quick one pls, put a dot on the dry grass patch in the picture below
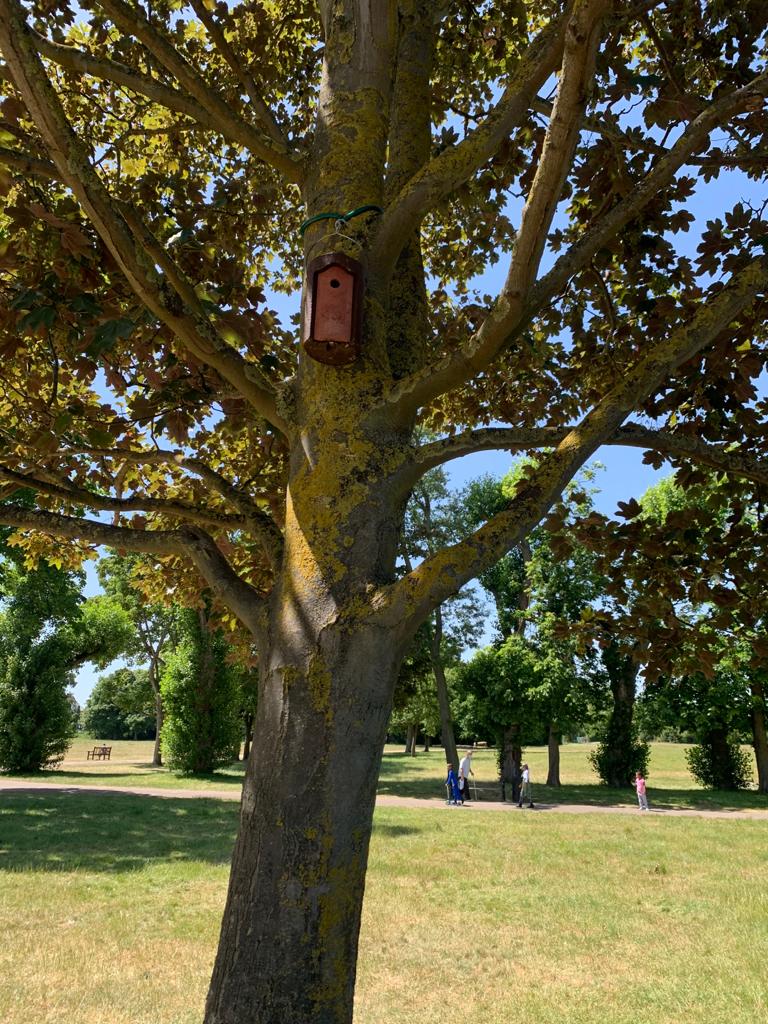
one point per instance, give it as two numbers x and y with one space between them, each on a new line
110 909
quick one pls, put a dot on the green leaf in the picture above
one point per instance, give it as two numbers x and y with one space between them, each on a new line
43 316
107 334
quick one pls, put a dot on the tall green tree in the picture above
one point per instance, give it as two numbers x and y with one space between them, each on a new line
200 694
47 632
540 589
145 375
434 518
153 626
121 706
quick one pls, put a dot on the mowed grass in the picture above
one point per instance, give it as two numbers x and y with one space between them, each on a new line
110 907
130 764
670 784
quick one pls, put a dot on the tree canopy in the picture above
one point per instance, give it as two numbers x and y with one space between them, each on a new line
169 168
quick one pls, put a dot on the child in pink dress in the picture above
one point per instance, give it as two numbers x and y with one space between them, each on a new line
642 797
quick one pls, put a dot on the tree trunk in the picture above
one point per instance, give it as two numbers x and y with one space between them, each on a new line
157 757
427 743
410 740
510 760
298 870
619 741
248 734
553 750
446 725
759 734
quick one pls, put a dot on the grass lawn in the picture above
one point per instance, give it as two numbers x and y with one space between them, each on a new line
670 785
110 906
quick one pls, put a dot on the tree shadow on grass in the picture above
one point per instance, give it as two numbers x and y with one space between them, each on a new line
61 776
382 828
114 832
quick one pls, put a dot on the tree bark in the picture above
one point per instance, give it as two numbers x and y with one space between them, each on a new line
553 751
427 743
759 734
410 740
248 735
157 757
620 737
510 761
298 870
446 725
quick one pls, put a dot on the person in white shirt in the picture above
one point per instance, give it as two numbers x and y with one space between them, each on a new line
525 789
465 770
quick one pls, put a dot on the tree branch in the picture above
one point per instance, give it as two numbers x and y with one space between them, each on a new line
511 313
28 165
406 602
631 435
85 63
458 163
192 326
134 22
70 493
244 76
190 542
255 519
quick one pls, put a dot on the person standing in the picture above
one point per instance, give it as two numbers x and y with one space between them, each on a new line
525 788
465 770
642 795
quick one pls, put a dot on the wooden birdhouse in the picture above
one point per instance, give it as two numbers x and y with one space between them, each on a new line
333 312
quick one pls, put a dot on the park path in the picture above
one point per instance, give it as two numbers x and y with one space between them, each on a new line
21 786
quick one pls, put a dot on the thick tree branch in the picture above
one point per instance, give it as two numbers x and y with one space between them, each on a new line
577 73
190 542
28 165
406 602
191 326
134 22
74 495
513 312
256 521
458 163
260 108
632 435
84 63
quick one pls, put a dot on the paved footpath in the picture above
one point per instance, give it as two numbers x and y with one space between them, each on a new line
20 786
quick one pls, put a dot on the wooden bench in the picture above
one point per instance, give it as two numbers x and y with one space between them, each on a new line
99 754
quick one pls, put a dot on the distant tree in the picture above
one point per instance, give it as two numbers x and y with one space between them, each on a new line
247 686
153 625
435 517
540 588
199 691
47 631
684 574
121 706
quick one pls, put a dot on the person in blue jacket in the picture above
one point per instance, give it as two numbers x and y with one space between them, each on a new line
454 796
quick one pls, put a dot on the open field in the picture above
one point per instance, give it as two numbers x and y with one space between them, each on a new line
109 908
670 785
